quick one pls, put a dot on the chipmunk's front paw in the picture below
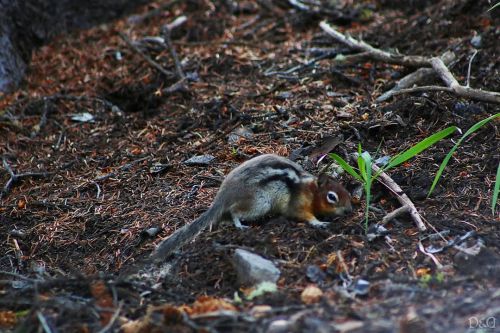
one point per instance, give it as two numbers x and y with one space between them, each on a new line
318 224
238 224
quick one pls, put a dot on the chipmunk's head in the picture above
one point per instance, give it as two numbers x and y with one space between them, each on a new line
331 198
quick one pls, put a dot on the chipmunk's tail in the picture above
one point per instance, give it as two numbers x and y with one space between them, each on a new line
187 232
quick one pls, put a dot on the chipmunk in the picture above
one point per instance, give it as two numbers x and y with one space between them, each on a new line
265 185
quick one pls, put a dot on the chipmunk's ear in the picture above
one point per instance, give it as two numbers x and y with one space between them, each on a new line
324 179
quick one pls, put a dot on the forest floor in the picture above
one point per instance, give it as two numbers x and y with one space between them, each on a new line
108 135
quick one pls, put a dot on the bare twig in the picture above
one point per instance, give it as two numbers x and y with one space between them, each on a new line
395 213
399 59
15 177
449 79
404 85
168 44
177 22
387 181
144 55
175 87
430 255
121 168
43 322
469 68
43 119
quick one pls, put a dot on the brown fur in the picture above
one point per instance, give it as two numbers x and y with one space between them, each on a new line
321 206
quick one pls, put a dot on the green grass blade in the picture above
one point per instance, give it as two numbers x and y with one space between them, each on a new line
419 147
361 164
362 168
443 165
496 190
478 125
344 165
366 161
494 6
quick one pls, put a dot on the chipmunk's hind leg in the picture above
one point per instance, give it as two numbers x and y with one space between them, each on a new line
250 209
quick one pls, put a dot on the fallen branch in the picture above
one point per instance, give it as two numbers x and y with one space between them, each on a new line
387 181
398 59
404 85
417 89
463 91
436 63
14 178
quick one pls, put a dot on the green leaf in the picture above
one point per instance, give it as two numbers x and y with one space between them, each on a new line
496 190
471 130
419 147
344 165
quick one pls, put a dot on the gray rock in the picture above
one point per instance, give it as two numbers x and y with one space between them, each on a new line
253 269
361 287
240 133
476 41
83 117
279 326
200 160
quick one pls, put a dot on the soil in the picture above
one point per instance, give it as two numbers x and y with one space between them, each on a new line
103 186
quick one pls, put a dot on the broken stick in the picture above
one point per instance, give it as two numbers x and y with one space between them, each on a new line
387 181
435 63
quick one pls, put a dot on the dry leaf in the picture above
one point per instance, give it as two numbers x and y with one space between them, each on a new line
8 319
311 295
21 204
423 271
205 304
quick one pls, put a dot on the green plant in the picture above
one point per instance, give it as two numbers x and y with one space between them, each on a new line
427 280
471 130
365 175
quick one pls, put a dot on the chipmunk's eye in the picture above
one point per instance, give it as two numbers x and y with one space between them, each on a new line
332 197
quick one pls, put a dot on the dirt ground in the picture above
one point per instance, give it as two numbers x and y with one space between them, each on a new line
108 188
